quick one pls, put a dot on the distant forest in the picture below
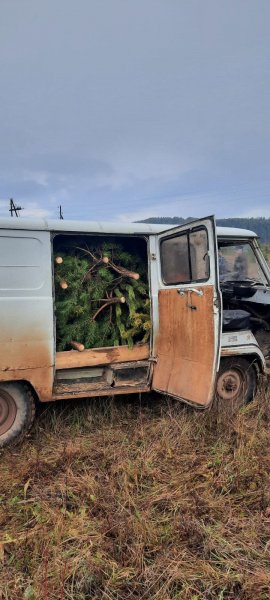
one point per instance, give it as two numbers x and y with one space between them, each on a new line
261 226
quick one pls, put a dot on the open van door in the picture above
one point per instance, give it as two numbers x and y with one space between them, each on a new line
186 305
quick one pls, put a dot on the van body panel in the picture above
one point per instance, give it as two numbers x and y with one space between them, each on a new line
251 350
53 225
237 343
40 379
26 308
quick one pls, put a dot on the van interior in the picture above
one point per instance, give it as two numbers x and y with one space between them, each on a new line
101 370
246 297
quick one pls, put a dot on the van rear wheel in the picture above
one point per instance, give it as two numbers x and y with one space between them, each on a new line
17 412
236 381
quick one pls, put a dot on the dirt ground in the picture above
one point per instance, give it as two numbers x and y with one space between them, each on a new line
138 498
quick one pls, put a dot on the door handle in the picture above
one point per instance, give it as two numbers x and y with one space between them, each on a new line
183 291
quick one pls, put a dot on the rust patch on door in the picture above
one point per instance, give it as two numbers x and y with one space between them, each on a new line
185 345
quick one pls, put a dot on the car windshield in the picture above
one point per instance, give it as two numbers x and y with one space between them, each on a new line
238 262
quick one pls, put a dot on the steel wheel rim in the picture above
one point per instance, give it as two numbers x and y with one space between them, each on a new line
230 384
8 411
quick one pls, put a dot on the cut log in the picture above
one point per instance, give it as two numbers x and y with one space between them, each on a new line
63 285
58 260
77 346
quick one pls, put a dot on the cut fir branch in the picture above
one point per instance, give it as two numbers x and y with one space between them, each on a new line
107 303
123 271
94 275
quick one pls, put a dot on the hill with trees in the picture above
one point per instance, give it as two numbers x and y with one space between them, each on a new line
260 225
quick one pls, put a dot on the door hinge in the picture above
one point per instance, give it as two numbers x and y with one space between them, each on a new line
153 359
216 306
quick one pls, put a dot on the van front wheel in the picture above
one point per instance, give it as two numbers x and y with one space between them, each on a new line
17 411
236 381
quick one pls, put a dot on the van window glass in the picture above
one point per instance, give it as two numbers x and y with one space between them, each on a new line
238 262
175 260
199 254
184 258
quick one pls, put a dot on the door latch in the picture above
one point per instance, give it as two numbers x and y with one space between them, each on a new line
153 359
189 291
183 291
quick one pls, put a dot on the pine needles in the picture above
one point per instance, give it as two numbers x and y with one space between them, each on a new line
102 297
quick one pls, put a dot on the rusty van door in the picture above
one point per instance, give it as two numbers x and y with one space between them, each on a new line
26 309
186 311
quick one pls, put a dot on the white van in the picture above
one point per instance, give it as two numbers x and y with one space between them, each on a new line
210 333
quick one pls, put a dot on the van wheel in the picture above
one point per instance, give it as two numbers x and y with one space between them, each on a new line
17 411
236 381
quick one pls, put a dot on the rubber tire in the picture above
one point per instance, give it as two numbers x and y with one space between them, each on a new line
25 404
248 374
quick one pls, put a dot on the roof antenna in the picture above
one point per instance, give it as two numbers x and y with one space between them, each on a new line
14 209
60 212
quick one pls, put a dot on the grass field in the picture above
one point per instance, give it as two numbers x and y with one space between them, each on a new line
137 498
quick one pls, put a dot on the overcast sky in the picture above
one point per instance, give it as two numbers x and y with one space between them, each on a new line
125 109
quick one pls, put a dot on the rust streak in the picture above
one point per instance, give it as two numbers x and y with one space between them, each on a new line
40 379
28 361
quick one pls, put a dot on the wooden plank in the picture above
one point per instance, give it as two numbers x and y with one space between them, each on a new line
101 356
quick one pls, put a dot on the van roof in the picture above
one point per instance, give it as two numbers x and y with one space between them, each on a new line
107 227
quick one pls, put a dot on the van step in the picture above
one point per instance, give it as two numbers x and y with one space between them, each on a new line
110 391
75 382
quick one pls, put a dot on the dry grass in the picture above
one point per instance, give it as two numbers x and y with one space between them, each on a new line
137 498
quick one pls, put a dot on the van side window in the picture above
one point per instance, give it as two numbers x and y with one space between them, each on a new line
184 257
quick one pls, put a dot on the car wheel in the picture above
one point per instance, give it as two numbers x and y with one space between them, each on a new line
17 411
236 381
